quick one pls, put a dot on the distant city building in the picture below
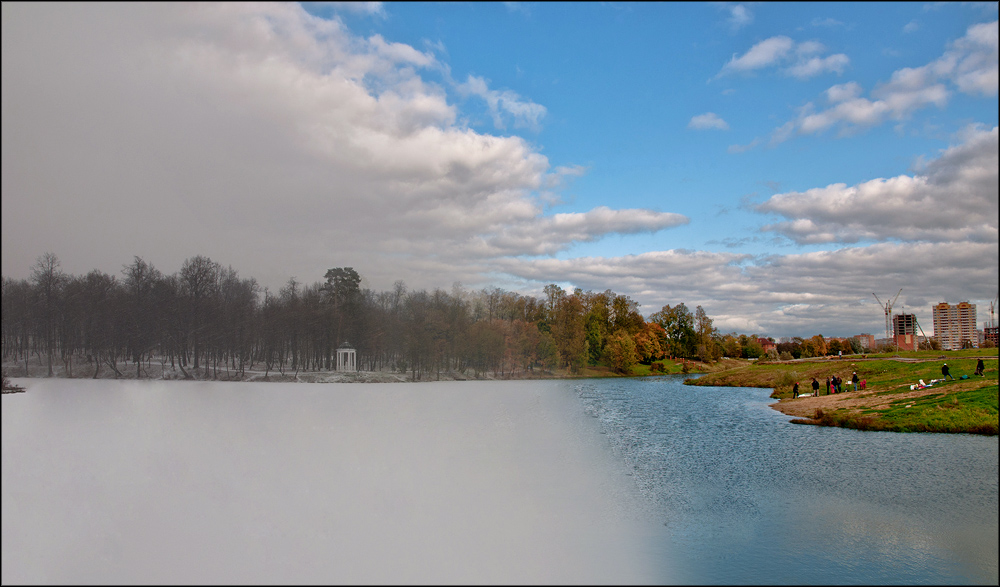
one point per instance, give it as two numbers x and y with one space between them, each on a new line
955 326
766 344
990 333
867 341
904 332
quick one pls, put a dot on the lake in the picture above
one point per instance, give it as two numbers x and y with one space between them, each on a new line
606 481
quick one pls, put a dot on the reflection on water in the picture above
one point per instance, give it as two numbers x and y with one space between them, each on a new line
744 497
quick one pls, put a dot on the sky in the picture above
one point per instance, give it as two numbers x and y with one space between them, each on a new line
776 164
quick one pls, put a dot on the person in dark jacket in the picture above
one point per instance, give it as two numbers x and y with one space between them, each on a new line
945 372
795 390
854 380
815 387
980 368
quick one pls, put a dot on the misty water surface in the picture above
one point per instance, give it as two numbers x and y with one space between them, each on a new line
614 481
181 482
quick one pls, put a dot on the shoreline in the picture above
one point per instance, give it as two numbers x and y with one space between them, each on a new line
892 402
157 371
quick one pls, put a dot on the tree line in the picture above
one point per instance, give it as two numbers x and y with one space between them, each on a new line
206 319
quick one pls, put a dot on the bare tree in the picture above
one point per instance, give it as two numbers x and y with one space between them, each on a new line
48 281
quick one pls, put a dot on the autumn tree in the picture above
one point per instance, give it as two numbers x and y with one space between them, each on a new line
621 352
679 326
568 333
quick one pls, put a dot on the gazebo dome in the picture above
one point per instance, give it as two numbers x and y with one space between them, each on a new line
346 345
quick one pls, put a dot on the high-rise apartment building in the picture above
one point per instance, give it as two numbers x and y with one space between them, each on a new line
955 326
904 331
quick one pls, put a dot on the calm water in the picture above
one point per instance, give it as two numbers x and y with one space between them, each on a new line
745 497
630 481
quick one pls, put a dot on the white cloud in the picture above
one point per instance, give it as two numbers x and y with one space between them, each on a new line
816 65
954 200
267 139
764 54
802 58
550 235
373 8
970 63
707 121
843 92
525 113
911 27
739 16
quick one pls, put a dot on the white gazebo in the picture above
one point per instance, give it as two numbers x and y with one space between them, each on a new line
347 357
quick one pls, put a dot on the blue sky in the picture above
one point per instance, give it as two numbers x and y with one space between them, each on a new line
774 163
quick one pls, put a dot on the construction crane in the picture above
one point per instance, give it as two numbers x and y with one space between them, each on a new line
888 310
922 333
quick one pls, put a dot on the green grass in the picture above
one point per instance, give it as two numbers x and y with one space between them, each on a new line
971 411
968 405
883 374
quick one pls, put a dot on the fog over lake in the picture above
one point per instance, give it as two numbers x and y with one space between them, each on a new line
614 480
183 482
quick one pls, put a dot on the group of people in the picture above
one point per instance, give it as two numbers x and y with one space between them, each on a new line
834 384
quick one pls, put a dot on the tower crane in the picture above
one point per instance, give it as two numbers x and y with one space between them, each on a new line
888 310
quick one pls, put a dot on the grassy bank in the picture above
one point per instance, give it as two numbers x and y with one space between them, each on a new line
888 404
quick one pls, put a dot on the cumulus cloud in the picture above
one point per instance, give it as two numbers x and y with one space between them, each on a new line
953 200
549 235
800 59
814 66
708 121
969 64
266 138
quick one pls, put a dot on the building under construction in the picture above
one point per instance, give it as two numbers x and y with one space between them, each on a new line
904 332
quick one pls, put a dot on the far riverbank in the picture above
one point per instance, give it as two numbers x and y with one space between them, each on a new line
887 403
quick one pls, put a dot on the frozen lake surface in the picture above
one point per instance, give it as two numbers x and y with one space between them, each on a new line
178 482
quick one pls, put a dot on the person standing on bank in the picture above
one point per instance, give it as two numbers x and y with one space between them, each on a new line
815 387
980 368
854 380
945 372
795 390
